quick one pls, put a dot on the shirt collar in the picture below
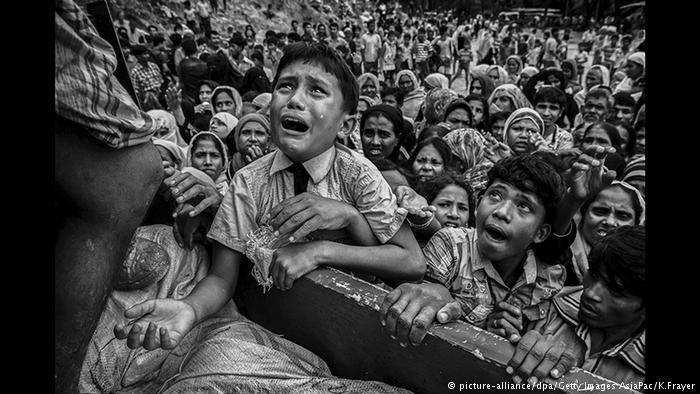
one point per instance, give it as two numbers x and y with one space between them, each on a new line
529 269
317 167
632 350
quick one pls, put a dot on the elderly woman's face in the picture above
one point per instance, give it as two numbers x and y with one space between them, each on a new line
493 74
502 102
378 138
613 207
594 77
369 88
252 134
518 136
406 84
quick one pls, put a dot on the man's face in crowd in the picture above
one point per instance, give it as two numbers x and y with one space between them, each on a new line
550 112
306 111
609 305
625 113
595 109
334 32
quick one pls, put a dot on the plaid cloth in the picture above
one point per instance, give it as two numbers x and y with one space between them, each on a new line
146 79
86 90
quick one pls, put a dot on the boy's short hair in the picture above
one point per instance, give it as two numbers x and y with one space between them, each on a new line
331 61
552 95
334 24
534 175
421 30
625 99
619 258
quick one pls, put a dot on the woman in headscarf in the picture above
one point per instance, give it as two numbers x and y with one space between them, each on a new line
594 76
166 127
630 209
436 102
523 130
514 66
525 75
369 86
414 95
498 75
171 154
227 99
207 153
508 98
481 85
250 140
222 124
458 114
436 80
635 70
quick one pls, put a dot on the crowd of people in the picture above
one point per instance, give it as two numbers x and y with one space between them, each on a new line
514 203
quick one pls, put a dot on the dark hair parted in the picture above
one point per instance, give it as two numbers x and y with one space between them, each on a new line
531 174
552 95
440 146
619 259
331 61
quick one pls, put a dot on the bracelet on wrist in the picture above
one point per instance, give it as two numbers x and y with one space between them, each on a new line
420 226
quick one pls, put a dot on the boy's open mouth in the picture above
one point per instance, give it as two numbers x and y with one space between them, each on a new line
294 124
495 233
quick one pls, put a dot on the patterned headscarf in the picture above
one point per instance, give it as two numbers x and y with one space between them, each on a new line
436 102
502 75
466 144
514 93
177 151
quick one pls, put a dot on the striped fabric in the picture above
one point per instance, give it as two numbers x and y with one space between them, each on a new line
86 91
623 362
453 259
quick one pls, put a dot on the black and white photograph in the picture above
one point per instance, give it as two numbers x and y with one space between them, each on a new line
351 196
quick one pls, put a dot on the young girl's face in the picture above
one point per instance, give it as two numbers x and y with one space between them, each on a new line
428 163
477 108
208 159
452 204
613 207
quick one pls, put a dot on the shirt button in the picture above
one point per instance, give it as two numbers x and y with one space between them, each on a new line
470 318
541 312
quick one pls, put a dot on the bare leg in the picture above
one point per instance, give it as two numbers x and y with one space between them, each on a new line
102 196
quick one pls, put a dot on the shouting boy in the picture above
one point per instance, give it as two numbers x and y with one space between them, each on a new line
489 275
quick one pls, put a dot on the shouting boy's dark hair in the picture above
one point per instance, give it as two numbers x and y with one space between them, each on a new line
534 175
619 258
330 61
